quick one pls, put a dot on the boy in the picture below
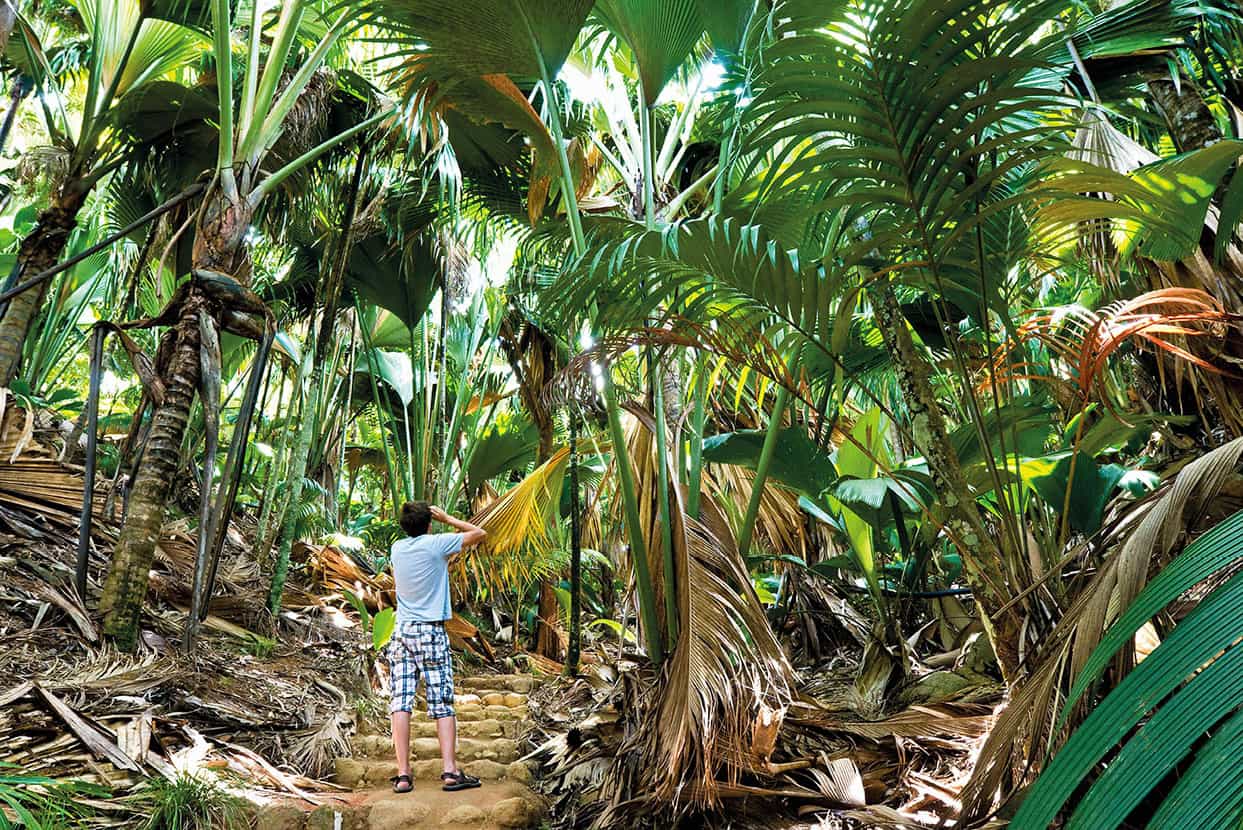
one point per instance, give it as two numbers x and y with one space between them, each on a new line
420 646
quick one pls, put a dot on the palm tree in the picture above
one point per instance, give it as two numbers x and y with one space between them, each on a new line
217 295
130 58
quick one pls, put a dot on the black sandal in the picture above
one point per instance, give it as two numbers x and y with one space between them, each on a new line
398 781
458 781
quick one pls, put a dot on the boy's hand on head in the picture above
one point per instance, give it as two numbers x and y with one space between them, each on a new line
439 515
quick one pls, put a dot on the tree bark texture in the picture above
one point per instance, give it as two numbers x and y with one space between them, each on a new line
1191 123
39 251
125 587
218 247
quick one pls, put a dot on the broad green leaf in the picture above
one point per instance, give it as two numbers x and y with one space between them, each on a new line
383 625
502 450
402 280
358 605
863 457
660 34
394 368
1023 426
473 38
867 453
619 630
725 21
1092 488
797 462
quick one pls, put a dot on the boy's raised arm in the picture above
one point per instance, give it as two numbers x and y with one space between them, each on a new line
471 534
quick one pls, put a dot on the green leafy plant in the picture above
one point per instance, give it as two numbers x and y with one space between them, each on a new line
189 803
41 803
380 625
1188 687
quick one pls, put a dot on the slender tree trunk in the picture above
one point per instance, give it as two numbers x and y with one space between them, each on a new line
547 643
126 585
21 88
39 251
218 247
8 16
293 499
576 553
528 385
276 468
319 341
982 555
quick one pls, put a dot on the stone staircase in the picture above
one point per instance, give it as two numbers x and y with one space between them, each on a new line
491 711
490 714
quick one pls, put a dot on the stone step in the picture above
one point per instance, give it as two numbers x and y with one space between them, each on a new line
474 712
468 749
483 697
365 773
523 683
369 744
488 697
495 807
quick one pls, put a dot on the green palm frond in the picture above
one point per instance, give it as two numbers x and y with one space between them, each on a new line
474 38
712 265
908 120
1190 682
661 35
726 21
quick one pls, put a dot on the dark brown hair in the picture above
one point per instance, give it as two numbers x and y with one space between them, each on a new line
416 517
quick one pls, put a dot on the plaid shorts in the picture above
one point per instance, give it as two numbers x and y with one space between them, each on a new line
421 649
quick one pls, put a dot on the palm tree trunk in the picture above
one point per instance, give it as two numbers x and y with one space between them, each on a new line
217 247
1188 117
21 88
547 642
576 554
293 499
39 252
125 587
981 552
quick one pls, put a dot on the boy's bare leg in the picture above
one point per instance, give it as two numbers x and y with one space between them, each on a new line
446 732
401 741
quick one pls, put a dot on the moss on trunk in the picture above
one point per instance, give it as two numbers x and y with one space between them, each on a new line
219 247
126 585
982 551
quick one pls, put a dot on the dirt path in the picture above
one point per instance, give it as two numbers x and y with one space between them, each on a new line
491 711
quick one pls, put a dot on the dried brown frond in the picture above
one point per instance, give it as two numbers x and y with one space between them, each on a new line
1165 320
306 121
727 665
1139 541
43 166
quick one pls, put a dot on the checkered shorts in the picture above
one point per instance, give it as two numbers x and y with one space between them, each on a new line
421 649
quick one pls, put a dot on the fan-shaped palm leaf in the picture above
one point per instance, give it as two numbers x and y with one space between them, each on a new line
660 34
518 528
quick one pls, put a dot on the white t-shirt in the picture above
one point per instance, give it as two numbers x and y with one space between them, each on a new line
421 574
